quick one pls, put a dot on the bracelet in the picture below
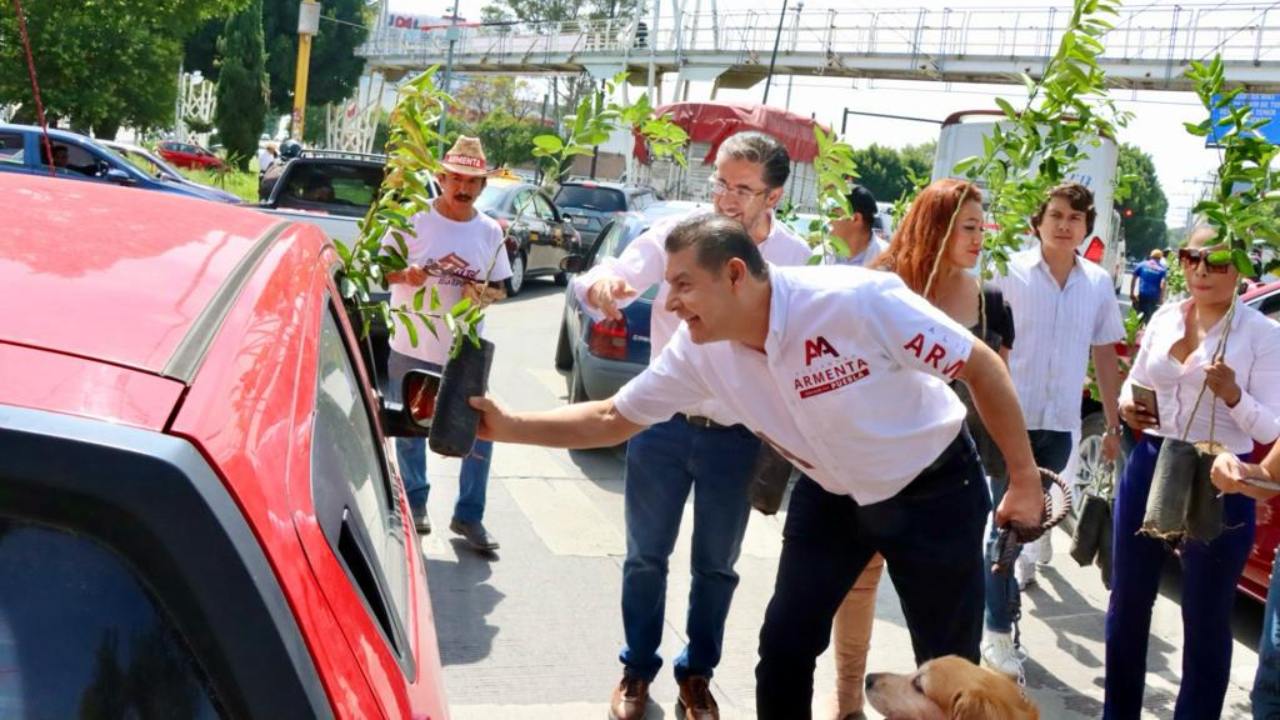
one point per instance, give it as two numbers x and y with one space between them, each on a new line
1116 430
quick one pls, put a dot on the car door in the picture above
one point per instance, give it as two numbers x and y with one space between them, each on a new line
1257 570
548 248
529 228
359 506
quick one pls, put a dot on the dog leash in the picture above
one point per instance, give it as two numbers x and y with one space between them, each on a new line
1011 538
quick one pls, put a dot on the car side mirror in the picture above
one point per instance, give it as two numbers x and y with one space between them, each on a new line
573 263
413 416
118 176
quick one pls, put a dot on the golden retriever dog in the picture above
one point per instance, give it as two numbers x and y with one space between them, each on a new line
948 688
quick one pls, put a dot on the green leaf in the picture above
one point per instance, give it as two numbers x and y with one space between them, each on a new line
1242 261
460 308
549 144
418 298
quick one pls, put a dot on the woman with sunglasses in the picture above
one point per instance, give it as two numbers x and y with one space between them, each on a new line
1241 405
934 263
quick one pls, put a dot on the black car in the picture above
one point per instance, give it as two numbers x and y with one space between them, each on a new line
539 236
594 204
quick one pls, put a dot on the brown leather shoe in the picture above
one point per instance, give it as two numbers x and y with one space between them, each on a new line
695 701
630 698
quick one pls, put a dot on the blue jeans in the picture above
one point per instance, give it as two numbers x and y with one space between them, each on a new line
411 453
1266 683
664 463
1209 575
1052 450
930 535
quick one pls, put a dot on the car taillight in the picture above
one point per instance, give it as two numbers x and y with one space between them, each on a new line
608 339
1095 251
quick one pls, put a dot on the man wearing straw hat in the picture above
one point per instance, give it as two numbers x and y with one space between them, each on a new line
460 253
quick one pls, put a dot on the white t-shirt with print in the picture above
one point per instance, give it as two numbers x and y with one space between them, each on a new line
453 253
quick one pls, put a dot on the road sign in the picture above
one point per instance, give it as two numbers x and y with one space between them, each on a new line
1265 106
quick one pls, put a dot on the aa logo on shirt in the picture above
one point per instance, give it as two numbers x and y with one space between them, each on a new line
829 376
816 348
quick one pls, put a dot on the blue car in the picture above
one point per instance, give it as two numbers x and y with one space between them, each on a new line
602 355
76 157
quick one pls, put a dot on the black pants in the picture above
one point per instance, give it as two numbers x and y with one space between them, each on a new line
930 535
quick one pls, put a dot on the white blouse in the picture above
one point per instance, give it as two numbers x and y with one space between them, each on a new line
1252 351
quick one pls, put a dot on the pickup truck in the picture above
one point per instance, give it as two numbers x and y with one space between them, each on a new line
333 190
76 157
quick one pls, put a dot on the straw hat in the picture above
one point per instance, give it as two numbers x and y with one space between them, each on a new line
466 157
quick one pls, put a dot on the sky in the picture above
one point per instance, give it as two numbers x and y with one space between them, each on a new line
1182 163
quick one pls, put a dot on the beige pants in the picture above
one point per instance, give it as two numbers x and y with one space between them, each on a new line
851 637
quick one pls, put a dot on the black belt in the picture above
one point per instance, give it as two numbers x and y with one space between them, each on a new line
703 422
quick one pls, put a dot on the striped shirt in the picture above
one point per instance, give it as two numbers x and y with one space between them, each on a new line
1057 327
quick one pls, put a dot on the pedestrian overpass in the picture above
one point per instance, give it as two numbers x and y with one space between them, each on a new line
1149 49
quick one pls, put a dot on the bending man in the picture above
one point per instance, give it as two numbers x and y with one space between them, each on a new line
844 371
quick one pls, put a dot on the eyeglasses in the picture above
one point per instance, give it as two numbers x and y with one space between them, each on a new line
1215 261
720 187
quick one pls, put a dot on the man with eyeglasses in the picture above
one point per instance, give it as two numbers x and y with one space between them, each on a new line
699 450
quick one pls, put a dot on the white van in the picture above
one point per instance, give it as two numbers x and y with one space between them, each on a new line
961 137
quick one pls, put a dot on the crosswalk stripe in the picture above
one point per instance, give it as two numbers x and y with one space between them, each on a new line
565 519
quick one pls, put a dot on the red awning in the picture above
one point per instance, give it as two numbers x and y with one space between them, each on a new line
714 122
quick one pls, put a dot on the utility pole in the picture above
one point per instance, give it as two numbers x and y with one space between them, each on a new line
308 26
452 35
782 16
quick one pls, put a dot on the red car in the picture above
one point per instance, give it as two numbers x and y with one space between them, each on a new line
188 155
198 516
1257 569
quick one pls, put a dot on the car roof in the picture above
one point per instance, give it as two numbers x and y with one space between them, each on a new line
132 275
1260 290
608 185
54 133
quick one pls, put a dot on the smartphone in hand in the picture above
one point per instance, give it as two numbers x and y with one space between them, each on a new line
1145 398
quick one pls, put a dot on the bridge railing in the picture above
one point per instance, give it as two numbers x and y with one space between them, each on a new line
1241 32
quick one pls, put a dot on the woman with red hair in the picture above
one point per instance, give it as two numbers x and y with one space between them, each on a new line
934 251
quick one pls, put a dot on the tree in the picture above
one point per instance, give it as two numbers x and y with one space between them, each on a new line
242 85
887 172
507 140
102 64
333 50
1142 212
482 96
335 67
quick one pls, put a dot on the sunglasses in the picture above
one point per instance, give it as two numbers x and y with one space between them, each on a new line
1215 261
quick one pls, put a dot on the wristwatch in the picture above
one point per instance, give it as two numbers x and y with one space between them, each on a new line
1116 430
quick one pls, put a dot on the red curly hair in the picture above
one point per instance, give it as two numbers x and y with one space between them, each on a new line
917 242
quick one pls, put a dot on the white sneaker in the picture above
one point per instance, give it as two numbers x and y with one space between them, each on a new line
1024 568
999 654
1044 547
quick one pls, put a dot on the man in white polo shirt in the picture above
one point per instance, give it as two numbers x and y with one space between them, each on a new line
844 371
1065 309
699 450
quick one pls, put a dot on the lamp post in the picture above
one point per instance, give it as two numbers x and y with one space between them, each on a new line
308 26
782 16
452 35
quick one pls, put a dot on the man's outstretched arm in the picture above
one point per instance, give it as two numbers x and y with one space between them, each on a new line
577 427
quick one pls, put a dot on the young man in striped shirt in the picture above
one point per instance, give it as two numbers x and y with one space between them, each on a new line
1064 310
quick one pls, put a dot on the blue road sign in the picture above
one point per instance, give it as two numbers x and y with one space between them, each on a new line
1265 106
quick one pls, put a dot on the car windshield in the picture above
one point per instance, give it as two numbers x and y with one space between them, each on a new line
494 197
145 163
591 198
354 186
